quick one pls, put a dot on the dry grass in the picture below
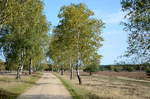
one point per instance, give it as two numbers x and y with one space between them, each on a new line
110 87
11 87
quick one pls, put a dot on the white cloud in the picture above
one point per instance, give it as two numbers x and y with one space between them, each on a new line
114 18
110 18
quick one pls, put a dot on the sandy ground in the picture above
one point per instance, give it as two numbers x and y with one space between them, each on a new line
47 87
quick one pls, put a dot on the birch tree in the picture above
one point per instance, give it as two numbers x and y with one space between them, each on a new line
138 24
79 34
24 35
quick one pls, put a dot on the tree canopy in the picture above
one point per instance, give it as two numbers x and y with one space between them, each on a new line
23 32
138 23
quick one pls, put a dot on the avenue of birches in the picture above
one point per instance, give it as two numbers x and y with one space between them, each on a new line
28 41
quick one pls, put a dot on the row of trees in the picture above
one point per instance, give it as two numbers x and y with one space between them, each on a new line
76 39
24 39
23 33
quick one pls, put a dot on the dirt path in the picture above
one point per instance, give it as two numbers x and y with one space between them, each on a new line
47 87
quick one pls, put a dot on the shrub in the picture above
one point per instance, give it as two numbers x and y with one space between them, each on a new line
91 68
101 69
148 71
116 69
2 65
130 69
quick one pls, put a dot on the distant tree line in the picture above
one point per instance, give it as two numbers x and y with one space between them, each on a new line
125 67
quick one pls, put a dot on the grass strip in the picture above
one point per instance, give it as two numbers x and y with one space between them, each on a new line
75 91
12 91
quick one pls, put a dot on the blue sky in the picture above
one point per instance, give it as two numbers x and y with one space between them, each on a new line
115 39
